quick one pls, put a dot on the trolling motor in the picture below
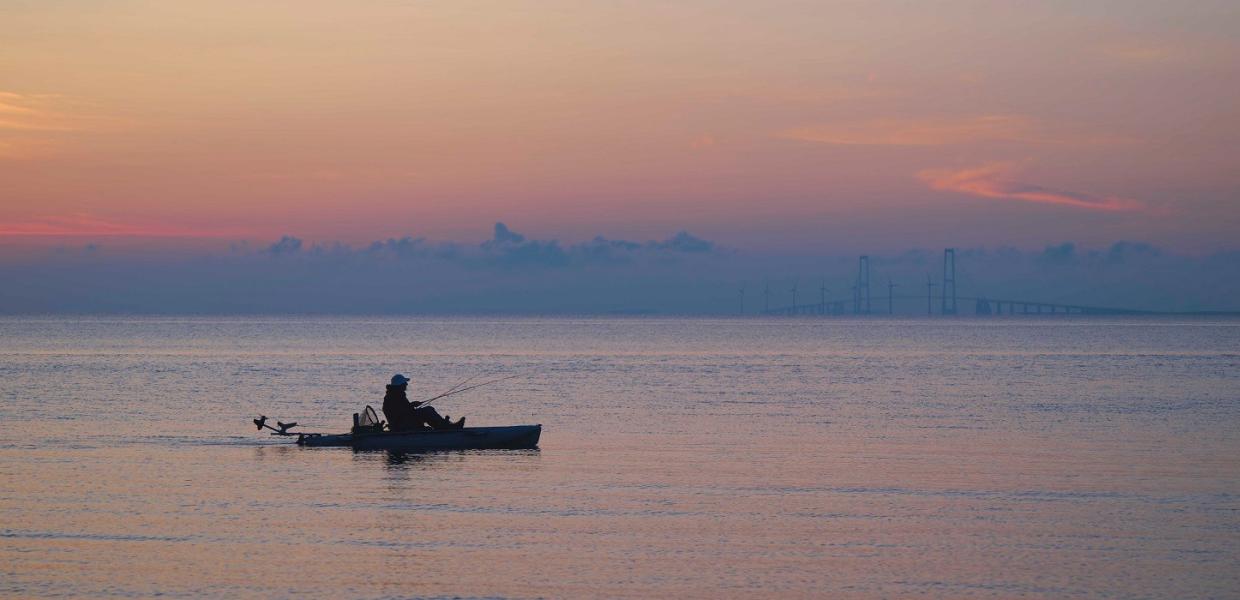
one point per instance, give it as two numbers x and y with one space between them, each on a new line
284 428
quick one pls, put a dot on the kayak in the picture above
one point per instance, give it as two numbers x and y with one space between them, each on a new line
514 437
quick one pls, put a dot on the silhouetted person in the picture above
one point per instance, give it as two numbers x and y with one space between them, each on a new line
403 415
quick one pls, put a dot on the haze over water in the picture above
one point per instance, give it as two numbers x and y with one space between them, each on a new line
702 458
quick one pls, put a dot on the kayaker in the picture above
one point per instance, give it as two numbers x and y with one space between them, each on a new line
403 415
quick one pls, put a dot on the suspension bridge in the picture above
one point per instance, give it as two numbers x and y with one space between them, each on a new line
946 302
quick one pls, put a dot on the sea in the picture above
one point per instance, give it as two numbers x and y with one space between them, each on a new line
1000 457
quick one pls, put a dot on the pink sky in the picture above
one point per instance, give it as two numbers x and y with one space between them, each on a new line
772 126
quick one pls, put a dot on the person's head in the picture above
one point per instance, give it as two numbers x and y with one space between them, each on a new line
399 380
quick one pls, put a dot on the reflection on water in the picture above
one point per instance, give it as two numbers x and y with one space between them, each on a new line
699 458
440 459
398 460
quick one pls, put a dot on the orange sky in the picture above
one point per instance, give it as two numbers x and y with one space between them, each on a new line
764 125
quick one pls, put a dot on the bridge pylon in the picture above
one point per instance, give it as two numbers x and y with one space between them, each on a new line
949 281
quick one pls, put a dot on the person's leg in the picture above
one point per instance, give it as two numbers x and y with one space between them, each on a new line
430 416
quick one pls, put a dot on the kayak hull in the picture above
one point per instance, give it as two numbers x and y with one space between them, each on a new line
515 437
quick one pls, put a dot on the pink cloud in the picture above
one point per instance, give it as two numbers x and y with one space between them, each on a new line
81 224
41 112
35 126
993 180
943 131
916 132
703 141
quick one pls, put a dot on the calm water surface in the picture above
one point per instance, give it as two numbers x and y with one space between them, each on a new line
690 458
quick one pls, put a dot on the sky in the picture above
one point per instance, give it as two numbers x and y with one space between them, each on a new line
778 126
778 133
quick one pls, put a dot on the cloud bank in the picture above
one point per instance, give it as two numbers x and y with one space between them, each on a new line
508 273
511 273
506 248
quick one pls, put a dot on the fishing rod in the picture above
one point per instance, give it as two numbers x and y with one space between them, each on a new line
464 381
466 389
453 388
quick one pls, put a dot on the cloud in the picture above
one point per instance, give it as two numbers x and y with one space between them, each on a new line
1125 252
505 249
1061 254
993 180
1142 53
27 113
34 125
82 224
604 251
916 132
504 235
511 248
409 276
942 131
40 112
286 245
684 241
703 141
